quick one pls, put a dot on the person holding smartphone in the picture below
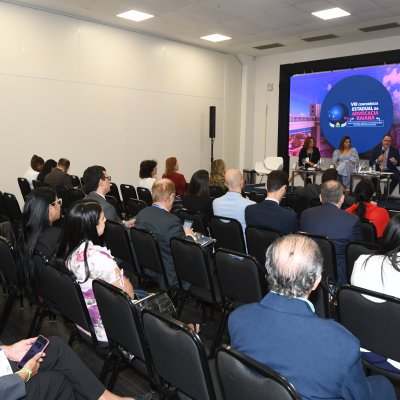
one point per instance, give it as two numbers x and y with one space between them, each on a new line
55 374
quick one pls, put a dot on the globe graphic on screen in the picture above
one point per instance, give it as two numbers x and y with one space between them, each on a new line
338 115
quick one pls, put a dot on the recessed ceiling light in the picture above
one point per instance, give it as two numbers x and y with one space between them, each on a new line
135 15
216 37
331 13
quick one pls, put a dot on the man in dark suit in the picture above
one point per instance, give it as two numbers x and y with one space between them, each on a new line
386 158
318 356
329 220
59 175
163 224
96 184
269 214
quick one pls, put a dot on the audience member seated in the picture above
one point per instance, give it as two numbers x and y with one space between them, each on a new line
329 220
309 154
84 223
41 210
197 198
147 173
48 166
59 175
232 204
33 171
367 209
318 356
217 177
269 214
56 374
96 184
380 272
345 159
171 173
164 226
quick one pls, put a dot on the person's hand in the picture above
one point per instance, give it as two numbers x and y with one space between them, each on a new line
393 160
33 365
380 158
130 223
188 231
311 164
16 351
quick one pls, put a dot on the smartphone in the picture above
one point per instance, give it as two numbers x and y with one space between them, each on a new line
40 345
187 223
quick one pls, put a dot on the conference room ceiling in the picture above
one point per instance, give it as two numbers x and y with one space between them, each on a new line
250 23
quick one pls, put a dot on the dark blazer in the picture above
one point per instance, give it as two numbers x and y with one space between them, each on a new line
319 356
271 215
393 152
58 177
109 210
48 241
165 226
338 225
315 156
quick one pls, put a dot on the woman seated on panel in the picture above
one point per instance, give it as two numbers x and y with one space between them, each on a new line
367 209
84 224
217 177
197 198
345 159
309 154
171 172
380 272
147 174
42 210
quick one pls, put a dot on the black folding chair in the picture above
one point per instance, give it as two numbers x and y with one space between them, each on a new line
199 224
75 195
228 233
3 209
24 187
368 232
216 191
13 209
355 250
63 193
128 192
114 202
114 192
179 357
144 194
76 182
133 206
242 377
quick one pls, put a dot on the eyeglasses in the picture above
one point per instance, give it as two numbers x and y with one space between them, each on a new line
59 201
107 177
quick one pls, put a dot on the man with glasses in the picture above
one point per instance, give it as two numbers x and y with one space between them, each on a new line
96 184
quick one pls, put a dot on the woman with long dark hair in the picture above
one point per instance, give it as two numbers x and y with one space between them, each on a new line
367 209
41 210
345 159
197 197
380 272
79 247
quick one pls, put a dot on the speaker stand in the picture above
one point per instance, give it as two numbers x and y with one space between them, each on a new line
212 149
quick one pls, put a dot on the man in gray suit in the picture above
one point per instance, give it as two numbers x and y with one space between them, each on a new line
96 184
59 175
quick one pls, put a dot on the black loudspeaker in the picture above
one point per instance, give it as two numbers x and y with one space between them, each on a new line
212 122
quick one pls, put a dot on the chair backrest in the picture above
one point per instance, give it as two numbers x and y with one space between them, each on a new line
328 251
272 163
197 217
144 194
3 208
257 197
12 207
192 265
392 213
216 191
63 193
320 299
178 356
355 250
258 240
376 325
36 184
296 203
8 265
75 195
118 241
76 182
24 187
133 206
240 277
114 192
128 192
242 377
228 233
114 202
148 254
368 232
121 320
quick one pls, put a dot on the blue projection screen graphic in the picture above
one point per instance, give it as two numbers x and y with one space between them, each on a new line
363 103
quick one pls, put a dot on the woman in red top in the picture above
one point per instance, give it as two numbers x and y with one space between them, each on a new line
171 168
364 208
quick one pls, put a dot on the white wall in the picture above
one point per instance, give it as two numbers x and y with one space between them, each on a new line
262 105
101 95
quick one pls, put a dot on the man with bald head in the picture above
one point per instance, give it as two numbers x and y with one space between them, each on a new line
318 356
232 204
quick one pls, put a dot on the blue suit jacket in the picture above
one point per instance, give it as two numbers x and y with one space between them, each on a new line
319 356
271 215
393 152
340 226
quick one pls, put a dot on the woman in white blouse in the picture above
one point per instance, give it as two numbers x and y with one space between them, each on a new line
147 174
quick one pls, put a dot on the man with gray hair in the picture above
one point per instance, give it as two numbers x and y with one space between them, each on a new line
318 356
329 220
